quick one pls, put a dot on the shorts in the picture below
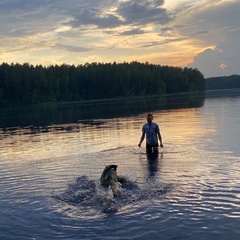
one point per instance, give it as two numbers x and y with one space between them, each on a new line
150 148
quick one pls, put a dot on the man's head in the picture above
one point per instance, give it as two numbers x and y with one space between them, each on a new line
149 118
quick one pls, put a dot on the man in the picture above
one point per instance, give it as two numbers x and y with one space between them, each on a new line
152 132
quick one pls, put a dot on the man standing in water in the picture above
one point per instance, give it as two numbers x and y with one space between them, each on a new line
152 132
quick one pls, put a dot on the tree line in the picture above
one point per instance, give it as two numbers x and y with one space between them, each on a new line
25 84
225 82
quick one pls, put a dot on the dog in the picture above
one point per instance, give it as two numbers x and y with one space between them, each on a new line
109 178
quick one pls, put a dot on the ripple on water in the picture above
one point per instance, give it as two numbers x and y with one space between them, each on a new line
89 197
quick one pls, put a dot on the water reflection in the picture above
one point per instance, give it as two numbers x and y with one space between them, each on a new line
153 161
73 113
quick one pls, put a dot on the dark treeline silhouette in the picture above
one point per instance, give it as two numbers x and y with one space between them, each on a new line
226 82
25 84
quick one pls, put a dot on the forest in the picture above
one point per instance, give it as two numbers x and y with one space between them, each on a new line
225 82
25 84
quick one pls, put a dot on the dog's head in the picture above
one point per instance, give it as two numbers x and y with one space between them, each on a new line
109 176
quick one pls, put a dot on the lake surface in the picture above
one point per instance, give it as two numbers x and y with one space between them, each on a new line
51 160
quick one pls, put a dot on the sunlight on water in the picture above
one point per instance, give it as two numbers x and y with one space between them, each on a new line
50 177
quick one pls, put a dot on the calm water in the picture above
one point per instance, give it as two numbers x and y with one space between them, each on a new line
51 160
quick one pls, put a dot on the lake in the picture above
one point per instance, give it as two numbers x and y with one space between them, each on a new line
52 158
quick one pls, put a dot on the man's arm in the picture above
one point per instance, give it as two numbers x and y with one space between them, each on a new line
141 139
160 138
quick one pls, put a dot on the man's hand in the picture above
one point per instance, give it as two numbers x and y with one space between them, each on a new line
139 144
161 145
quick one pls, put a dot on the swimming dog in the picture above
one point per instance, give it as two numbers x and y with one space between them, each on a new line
109 178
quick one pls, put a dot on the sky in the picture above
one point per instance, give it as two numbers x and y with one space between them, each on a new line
203 34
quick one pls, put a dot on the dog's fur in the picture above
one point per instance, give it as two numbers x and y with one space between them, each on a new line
110 179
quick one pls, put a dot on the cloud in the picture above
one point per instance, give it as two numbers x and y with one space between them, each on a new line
222 60
24 18
11 6
215 26
71 48
139 12
122 13
208 61
132 32
95 17
164 42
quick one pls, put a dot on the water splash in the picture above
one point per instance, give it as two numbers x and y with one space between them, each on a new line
89 194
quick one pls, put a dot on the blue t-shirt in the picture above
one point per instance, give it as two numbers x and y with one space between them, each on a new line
151 131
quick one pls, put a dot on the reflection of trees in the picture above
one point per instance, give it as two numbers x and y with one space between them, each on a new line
73 113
